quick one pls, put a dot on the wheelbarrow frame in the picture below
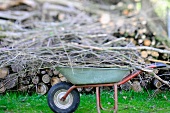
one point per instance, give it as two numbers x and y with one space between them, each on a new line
98 102
116 84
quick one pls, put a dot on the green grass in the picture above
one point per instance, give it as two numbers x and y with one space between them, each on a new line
129 102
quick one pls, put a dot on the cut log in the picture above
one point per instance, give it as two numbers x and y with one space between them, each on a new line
23 75
130 6
126 86
156 71
125 12
147 42
31 3
105 18
149 52
63 79
143 37
144 54
2 88
46 78
60 75
140 41
165 56
50 72
4 72
153 43
43 72
55 72
54 80
23 87
88 89
61 16
154 54
80 89
35 80
136 86
30 73
140 31
41 89
10 82
157 83
106 88
133 41
25 80
10 3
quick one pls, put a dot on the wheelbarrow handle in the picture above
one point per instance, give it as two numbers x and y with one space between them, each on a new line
130 76
157 65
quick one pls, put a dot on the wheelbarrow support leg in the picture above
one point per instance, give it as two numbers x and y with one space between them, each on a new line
98 99
115 98
100 104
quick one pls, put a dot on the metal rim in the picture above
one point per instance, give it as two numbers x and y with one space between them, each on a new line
62 104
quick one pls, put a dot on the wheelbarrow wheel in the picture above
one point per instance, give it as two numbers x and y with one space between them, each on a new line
55 94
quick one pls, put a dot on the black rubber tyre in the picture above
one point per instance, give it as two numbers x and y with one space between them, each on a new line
56 92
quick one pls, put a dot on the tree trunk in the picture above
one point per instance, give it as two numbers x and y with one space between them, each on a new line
156 25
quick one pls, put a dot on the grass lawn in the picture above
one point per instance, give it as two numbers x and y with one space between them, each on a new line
129 102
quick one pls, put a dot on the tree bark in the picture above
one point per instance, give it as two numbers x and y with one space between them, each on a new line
156 25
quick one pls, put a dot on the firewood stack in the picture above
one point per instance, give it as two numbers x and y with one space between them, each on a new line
39 82
140 35
38 35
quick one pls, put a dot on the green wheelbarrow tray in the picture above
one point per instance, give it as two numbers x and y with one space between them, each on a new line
91 75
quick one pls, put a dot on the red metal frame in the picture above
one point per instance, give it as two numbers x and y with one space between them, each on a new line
98 103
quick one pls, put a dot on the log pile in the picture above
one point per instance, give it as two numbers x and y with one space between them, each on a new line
142 36
36 36
39 82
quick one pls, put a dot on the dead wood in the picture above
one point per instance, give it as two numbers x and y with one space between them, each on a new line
88 89
17 15
3 72
74 33
163 81
41 88
2 87
157 83
155 60
54 80
4 5
136 86
35 80
126 86
10 82
124 48
46 78
63 79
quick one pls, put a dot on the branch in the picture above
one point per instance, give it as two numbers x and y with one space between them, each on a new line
123 48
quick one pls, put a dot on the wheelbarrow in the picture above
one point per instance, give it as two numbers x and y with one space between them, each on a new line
64 97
